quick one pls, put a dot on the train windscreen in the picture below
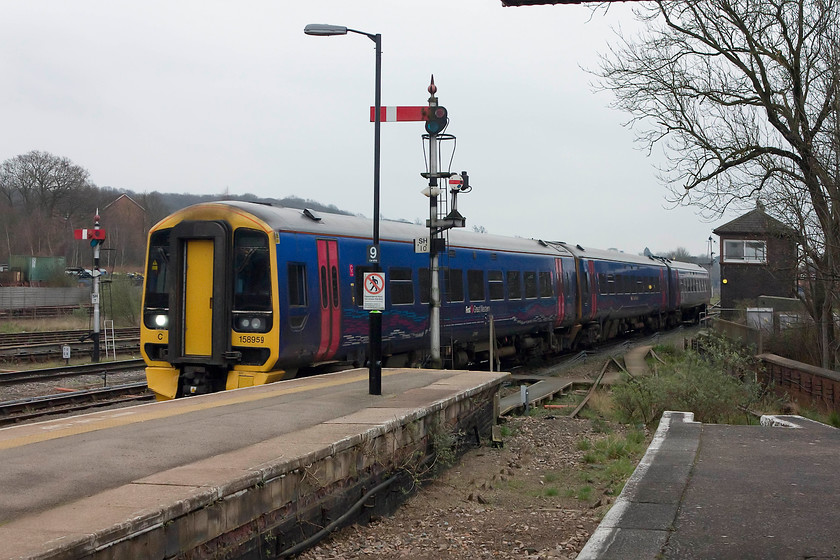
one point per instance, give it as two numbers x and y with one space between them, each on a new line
157 296
252 271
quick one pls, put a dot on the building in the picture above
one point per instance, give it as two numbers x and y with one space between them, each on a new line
757 258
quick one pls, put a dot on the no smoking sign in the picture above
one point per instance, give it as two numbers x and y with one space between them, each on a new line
374 298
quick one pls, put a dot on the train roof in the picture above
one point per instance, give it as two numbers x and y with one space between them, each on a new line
617 256
281 218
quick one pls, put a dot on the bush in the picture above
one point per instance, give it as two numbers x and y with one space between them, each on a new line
122 301
717 386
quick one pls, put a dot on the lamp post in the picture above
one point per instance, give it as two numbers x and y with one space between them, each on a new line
375 333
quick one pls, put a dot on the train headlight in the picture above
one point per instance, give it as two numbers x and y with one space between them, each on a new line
252 323
156 319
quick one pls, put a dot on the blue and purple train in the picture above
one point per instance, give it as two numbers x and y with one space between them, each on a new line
239 294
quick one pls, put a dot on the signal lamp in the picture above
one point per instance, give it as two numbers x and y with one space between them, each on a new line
436 120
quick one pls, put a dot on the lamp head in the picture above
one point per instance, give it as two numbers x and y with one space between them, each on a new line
324 30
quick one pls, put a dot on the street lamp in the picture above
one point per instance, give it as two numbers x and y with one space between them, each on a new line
375 333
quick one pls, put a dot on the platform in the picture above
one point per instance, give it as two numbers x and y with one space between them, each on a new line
224 470
708 491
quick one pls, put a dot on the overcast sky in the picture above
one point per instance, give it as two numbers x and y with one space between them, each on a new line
209 97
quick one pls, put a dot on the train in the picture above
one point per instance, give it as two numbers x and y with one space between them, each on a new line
238 294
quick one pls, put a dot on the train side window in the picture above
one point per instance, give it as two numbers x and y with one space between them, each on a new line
325 295
425 285
475 285
611 284
602 283
530 285
546 291
496 285
297 284
360 283
514 282
455 285
401 286
334 281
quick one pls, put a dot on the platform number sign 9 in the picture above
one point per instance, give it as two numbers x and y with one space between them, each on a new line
373 253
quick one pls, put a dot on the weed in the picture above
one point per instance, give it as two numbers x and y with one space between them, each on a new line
551 477
551 492
717 386
584 493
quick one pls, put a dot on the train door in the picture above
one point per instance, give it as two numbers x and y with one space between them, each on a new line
587 289
329 298
201 307
561 300
198 297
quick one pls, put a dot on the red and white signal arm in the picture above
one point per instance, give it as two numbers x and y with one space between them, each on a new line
97 234
401 114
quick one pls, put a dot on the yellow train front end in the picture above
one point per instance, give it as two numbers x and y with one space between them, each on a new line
210 303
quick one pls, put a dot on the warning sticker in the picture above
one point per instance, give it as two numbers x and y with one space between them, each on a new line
374 290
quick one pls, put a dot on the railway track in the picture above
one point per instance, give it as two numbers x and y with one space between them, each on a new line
46 337
34 346
30 408
35 375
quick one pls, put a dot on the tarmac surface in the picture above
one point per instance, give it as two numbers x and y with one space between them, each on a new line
706 491
50 470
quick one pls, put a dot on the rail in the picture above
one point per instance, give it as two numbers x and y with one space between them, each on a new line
35 375
35 407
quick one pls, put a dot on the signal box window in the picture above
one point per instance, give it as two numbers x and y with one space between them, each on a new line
496 285
745 251
455 284
546 290
297 285
514 281
475 284
401 286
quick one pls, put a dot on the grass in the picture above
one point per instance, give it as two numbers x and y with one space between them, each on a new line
68 322
609 461
819 414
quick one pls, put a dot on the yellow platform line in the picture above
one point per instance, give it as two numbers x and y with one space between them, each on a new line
99 421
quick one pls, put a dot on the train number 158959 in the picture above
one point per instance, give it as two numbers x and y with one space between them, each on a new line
251 339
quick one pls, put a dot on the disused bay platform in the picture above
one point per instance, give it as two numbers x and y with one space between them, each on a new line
723 492
238 474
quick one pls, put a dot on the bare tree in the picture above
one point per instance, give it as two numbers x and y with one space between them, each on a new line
40 194
743 97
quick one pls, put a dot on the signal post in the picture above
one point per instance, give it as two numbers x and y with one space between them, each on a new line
96 237
436 119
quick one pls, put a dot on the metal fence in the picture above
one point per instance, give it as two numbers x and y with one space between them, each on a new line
18 300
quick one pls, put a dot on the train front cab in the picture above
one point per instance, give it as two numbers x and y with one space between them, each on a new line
209 308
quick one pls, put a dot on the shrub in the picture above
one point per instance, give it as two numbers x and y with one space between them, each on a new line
717 386
122 300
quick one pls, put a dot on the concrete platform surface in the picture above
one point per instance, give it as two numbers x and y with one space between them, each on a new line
75 476
705 491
